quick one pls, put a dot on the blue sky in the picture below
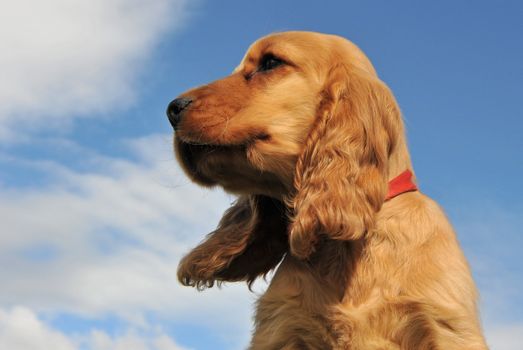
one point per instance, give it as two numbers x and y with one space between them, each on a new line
95 213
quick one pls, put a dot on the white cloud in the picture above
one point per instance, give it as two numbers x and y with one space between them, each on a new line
63 59
509 337
117 234
100 340
149 200
21 329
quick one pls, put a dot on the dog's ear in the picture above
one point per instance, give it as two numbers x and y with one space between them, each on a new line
251 239
341 176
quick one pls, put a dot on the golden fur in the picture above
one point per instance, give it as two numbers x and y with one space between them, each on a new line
309 146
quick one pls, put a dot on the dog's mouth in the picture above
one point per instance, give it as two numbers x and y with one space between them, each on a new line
195 158
210 164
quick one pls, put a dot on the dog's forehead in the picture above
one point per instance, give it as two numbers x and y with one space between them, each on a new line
297 45
285 44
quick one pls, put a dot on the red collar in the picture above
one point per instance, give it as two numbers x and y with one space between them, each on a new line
401 184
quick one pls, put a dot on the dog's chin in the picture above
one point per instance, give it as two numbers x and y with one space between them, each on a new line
227 166
190 156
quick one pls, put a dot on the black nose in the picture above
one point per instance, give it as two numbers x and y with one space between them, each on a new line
175 109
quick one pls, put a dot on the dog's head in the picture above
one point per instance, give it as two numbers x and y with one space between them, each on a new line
303 120
245 132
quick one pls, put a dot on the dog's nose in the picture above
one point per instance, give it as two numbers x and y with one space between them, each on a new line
175 109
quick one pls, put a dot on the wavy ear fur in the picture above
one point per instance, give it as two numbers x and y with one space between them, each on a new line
341 176
250 240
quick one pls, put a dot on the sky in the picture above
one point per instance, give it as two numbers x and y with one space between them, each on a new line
95 213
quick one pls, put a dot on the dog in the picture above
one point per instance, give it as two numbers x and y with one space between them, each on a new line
312 142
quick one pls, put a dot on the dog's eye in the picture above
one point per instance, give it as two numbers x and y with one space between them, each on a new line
269 62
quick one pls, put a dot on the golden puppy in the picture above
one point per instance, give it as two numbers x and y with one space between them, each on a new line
312 142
